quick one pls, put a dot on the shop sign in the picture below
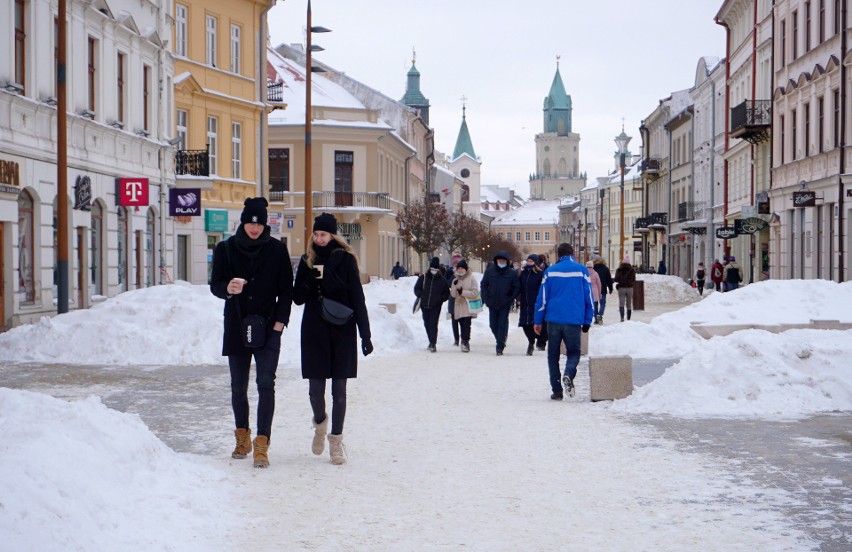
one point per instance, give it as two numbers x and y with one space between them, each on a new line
726 232
804 199
83 193
349 231
184 202
215 220
131 192
750 225
10 176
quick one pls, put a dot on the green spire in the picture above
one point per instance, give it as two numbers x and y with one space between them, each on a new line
413 96
557 106
463 142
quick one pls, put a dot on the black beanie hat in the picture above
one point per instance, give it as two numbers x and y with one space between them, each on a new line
254 210
435 263
535 258
326 223
462 264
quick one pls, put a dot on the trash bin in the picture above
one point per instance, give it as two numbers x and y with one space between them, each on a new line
639 295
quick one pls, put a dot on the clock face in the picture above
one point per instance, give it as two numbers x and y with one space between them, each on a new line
465 173
546 148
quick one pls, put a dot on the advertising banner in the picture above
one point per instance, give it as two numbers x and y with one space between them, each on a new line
185 202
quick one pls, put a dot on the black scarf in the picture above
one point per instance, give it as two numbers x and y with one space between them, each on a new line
324 251
249 247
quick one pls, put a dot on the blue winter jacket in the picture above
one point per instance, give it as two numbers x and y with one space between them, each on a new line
565 296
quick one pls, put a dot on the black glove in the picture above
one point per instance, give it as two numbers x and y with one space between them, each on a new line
585 328
366 346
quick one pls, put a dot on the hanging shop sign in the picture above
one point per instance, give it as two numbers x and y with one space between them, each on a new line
806 198
131 192
185 202
726 232
83 193
750 225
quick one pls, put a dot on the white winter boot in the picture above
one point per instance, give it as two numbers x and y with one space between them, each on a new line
335 449
318 444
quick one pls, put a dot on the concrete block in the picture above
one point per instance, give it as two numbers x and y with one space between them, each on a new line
610 377
391 307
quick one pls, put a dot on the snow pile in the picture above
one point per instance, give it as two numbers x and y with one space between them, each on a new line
664 289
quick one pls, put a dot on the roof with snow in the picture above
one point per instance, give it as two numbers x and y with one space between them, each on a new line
534 212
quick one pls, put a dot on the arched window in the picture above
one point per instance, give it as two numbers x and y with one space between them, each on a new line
123 235
150 248
97 280
547 167
563 167
26 247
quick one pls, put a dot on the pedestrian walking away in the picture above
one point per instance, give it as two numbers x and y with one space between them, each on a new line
625 277
398 271
565 303
700 276
499 287
661 268
530 282
329 270
716 274
464 288
596 287
432 289
252 273
732 275
606 285
450 276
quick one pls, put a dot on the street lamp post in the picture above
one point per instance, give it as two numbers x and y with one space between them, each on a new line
621 141
309 48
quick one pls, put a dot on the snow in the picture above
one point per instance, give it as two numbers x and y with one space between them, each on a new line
445 451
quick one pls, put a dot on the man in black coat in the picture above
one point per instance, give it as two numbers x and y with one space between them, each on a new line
499 288
432 289
252 272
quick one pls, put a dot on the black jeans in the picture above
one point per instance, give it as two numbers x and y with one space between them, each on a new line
540 340
316 392
464 327
431 317
499 322
266 364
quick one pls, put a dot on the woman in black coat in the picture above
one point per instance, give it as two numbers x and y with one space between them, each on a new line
330 269
530 280
252 272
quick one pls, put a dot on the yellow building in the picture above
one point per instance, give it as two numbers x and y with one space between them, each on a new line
220 93
533 228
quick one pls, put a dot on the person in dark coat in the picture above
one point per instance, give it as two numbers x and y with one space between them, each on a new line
606 285
716 273
252 272
499 287
530 282
450 275
432 289
625 277
661 268
398 271
330 270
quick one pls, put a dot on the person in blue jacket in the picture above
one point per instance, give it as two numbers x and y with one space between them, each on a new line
499 288
530 281
565 303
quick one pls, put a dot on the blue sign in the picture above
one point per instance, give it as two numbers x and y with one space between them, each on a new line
290 223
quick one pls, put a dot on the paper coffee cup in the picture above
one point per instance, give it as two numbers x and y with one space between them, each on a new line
319 267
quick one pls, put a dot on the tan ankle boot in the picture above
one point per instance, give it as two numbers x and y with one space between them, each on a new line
261 448
335 449
243 443
318 444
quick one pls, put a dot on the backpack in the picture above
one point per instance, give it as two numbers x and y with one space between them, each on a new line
700 274
717 273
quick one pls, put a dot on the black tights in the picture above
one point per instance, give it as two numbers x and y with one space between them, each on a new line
316 392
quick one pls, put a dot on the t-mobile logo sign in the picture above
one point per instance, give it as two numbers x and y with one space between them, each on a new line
132 192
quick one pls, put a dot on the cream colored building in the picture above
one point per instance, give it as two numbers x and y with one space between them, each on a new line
533 228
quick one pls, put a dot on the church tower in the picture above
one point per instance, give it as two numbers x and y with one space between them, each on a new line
413 96
557 148
466 165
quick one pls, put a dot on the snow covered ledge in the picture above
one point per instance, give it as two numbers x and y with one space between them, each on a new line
710 330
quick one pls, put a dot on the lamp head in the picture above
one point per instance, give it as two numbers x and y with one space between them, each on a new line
621 141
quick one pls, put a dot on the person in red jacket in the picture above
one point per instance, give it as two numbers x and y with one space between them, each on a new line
716 274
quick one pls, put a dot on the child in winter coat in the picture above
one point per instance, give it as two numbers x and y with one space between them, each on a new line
464 287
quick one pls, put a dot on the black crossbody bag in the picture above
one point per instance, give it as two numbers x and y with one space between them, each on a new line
334 312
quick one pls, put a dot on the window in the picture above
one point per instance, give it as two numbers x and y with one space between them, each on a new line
836 121
807 128
26 248
119 72
182 122
820 124
279 169
123 237
782 55
782 144
526 236
146 97
180 29
807 26
210 41
92 61
793 138
795 38
538 236
547 236
213 143
150 235
821 21
517 236
235 49
343 163
236 150
97 281
837 16
20 43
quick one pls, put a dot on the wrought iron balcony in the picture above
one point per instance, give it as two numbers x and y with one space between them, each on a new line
751 120
351 199
690 210
193 162
658 220
641 225
275 92
651 165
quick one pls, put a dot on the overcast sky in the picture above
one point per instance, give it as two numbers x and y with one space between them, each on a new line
618 59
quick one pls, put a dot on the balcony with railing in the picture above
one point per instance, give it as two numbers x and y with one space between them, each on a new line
690 211
651 165
275 92
658 221
355 201
641 225
192 162
751 120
